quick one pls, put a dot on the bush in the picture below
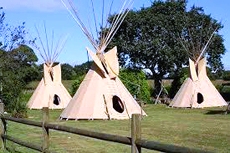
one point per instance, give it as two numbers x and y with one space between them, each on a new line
219 87
76 84
135 81
226 75
20 110
224 91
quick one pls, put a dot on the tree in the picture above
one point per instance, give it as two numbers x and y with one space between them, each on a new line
24 59
82 69
17 66
136 83
226 75
68 72
155 38
17 62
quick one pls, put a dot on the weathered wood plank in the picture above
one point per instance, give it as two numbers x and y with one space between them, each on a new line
23 121
87 133
23 143
45 143
152 145
135 132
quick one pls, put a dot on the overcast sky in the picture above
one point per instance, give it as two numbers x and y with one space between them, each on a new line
57 19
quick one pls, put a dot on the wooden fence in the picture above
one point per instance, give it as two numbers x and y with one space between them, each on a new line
135 140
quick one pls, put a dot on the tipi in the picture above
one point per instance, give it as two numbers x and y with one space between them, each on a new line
101 94
50 92
197 91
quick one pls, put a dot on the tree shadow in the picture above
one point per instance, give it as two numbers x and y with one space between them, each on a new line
214 112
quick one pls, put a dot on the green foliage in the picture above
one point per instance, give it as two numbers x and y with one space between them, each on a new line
219 87
80 72
76 84
135 81
178 80
226 75
20 109
82 69
16 73
163 36
67 72
17 66
224 90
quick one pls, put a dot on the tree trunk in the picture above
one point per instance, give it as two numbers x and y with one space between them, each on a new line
157 85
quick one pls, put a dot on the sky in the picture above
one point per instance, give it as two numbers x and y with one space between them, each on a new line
52 13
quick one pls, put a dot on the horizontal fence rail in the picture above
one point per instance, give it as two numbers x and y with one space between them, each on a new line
152 145
22 121
22 143
135 141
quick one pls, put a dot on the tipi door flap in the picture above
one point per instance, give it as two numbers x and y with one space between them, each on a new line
116 107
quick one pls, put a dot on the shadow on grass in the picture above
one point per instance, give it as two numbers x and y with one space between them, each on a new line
214 112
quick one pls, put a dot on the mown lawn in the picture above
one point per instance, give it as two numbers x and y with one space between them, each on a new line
206 129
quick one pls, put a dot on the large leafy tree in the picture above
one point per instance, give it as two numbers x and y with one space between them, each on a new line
17 64
67 71
163 36
17 69
83 68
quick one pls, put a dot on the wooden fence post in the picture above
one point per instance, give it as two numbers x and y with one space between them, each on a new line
45 144
3 126
135 132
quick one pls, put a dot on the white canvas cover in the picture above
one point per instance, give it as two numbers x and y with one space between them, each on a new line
50 92
197 91
101 97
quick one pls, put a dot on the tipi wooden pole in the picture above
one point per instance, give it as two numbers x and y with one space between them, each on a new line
135 132
45 144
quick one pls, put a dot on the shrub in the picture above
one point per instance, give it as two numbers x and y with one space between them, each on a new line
20 109
224 91
226 75
76 84
219 87
135 81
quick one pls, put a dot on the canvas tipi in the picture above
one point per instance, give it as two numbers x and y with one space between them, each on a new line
50 92
197 91
101 94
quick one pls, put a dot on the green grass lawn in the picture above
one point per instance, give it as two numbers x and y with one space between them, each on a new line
206 129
